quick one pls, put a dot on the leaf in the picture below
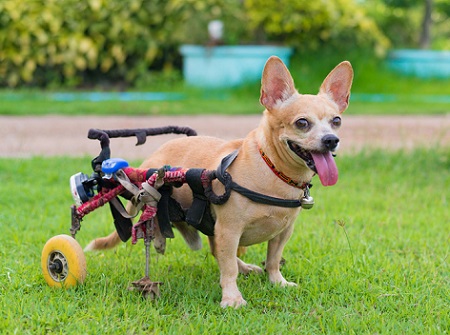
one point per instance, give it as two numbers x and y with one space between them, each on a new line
95 5
106 64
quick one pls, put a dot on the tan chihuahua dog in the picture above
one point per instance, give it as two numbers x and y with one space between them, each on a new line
294 141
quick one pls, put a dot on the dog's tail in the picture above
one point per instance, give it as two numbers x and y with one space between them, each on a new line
101 243
189 234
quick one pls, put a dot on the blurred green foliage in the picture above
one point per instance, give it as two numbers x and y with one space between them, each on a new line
49 43
309 24
74 41
402 21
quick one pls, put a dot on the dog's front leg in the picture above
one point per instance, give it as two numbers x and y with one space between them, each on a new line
225 247
274 252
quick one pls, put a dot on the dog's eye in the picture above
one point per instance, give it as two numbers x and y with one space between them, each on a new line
302 123
336 121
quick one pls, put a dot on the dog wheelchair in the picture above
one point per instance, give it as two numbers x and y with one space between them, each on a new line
63 262
149 190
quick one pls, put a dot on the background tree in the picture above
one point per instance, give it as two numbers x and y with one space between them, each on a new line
416 23
425 36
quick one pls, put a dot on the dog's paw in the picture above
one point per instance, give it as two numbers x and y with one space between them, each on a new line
246 269
234 302
249 268
278 279
159 243
288 284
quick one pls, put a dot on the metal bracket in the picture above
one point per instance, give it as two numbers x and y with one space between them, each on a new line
76 221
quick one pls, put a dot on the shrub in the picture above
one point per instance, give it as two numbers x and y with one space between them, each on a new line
75 41
309 24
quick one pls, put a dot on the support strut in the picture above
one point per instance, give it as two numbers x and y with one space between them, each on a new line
148 288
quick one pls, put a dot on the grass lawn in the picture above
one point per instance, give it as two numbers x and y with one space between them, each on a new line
371 257
411 95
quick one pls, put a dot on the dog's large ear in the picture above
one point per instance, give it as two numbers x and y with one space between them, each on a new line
277 84
337 85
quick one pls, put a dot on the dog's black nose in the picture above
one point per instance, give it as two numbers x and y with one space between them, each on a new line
330 141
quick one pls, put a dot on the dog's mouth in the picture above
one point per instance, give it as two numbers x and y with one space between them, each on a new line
321 163
303 154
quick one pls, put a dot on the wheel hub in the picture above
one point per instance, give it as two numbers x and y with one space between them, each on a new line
58 268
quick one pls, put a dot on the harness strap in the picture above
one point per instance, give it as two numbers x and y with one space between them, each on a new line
163 212
195 213
133 189
225 178
148 195
122 220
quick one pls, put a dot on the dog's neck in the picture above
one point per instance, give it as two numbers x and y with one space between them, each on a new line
288 180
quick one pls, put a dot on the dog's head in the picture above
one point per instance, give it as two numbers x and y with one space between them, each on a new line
305 126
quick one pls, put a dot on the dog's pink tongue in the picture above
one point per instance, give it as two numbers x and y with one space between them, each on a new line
326 168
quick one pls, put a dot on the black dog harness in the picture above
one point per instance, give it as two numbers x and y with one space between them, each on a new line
225 178
199 214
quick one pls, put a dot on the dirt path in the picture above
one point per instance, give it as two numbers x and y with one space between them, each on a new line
63 135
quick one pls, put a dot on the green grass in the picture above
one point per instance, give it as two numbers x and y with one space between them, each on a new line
308 70
371 257
195 102
232 103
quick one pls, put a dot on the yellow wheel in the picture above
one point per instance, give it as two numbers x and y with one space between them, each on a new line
63 262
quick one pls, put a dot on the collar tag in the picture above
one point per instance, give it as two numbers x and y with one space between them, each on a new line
307 201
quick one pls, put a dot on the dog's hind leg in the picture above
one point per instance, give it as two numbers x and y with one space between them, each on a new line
190 235
159 241
246 269
274 252
241 251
